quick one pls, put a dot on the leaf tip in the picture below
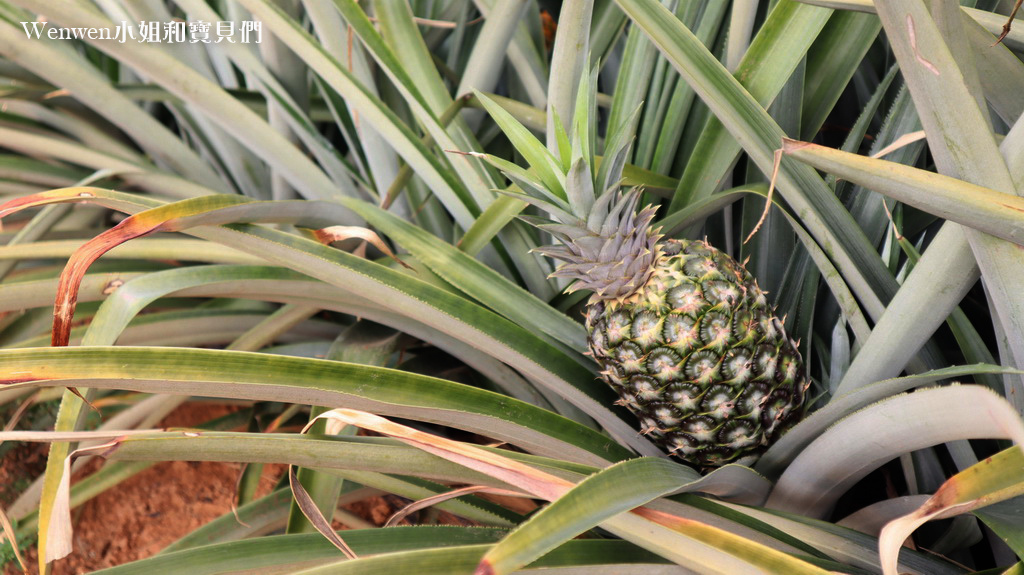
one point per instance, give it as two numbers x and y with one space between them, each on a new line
471 154
485 568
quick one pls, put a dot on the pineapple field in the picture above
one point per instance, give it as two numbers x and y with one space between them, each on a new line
579 287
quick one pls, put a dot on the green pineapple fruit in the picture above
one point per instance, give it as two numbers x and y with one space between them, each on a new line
680 329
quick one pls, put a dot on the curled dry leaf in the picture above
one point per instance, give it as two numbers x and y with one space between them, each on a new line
1009 22
771 191
339 233
59 532
308 506
520 475
992 480
12 537
312 513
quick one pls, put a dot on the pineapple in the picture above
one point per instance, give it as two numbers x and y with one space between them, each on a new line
680 330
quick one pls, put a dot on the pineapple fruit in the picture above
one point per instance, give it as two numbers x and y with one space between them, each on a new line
680 330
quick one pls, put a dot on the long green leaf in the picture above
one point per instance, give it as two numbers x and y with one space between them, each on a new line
440 179
777 49
586 556
475 279
412 72
831 61
66 69
830 465
261 283
789 446
850 547
145 176
284 109
221 373
350 457
986 210
614 490
570 58
189 85
937 83
303 550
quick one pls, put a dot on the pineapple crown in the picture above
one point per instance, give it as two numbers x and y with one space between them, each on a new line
615 259
605 243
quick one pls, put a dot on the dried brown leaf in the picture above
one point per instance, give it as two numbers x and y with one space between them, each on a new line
312 513
339 233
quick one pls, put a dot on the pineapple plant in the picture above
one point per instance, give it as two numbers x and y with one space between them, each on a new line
350 106
680 329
